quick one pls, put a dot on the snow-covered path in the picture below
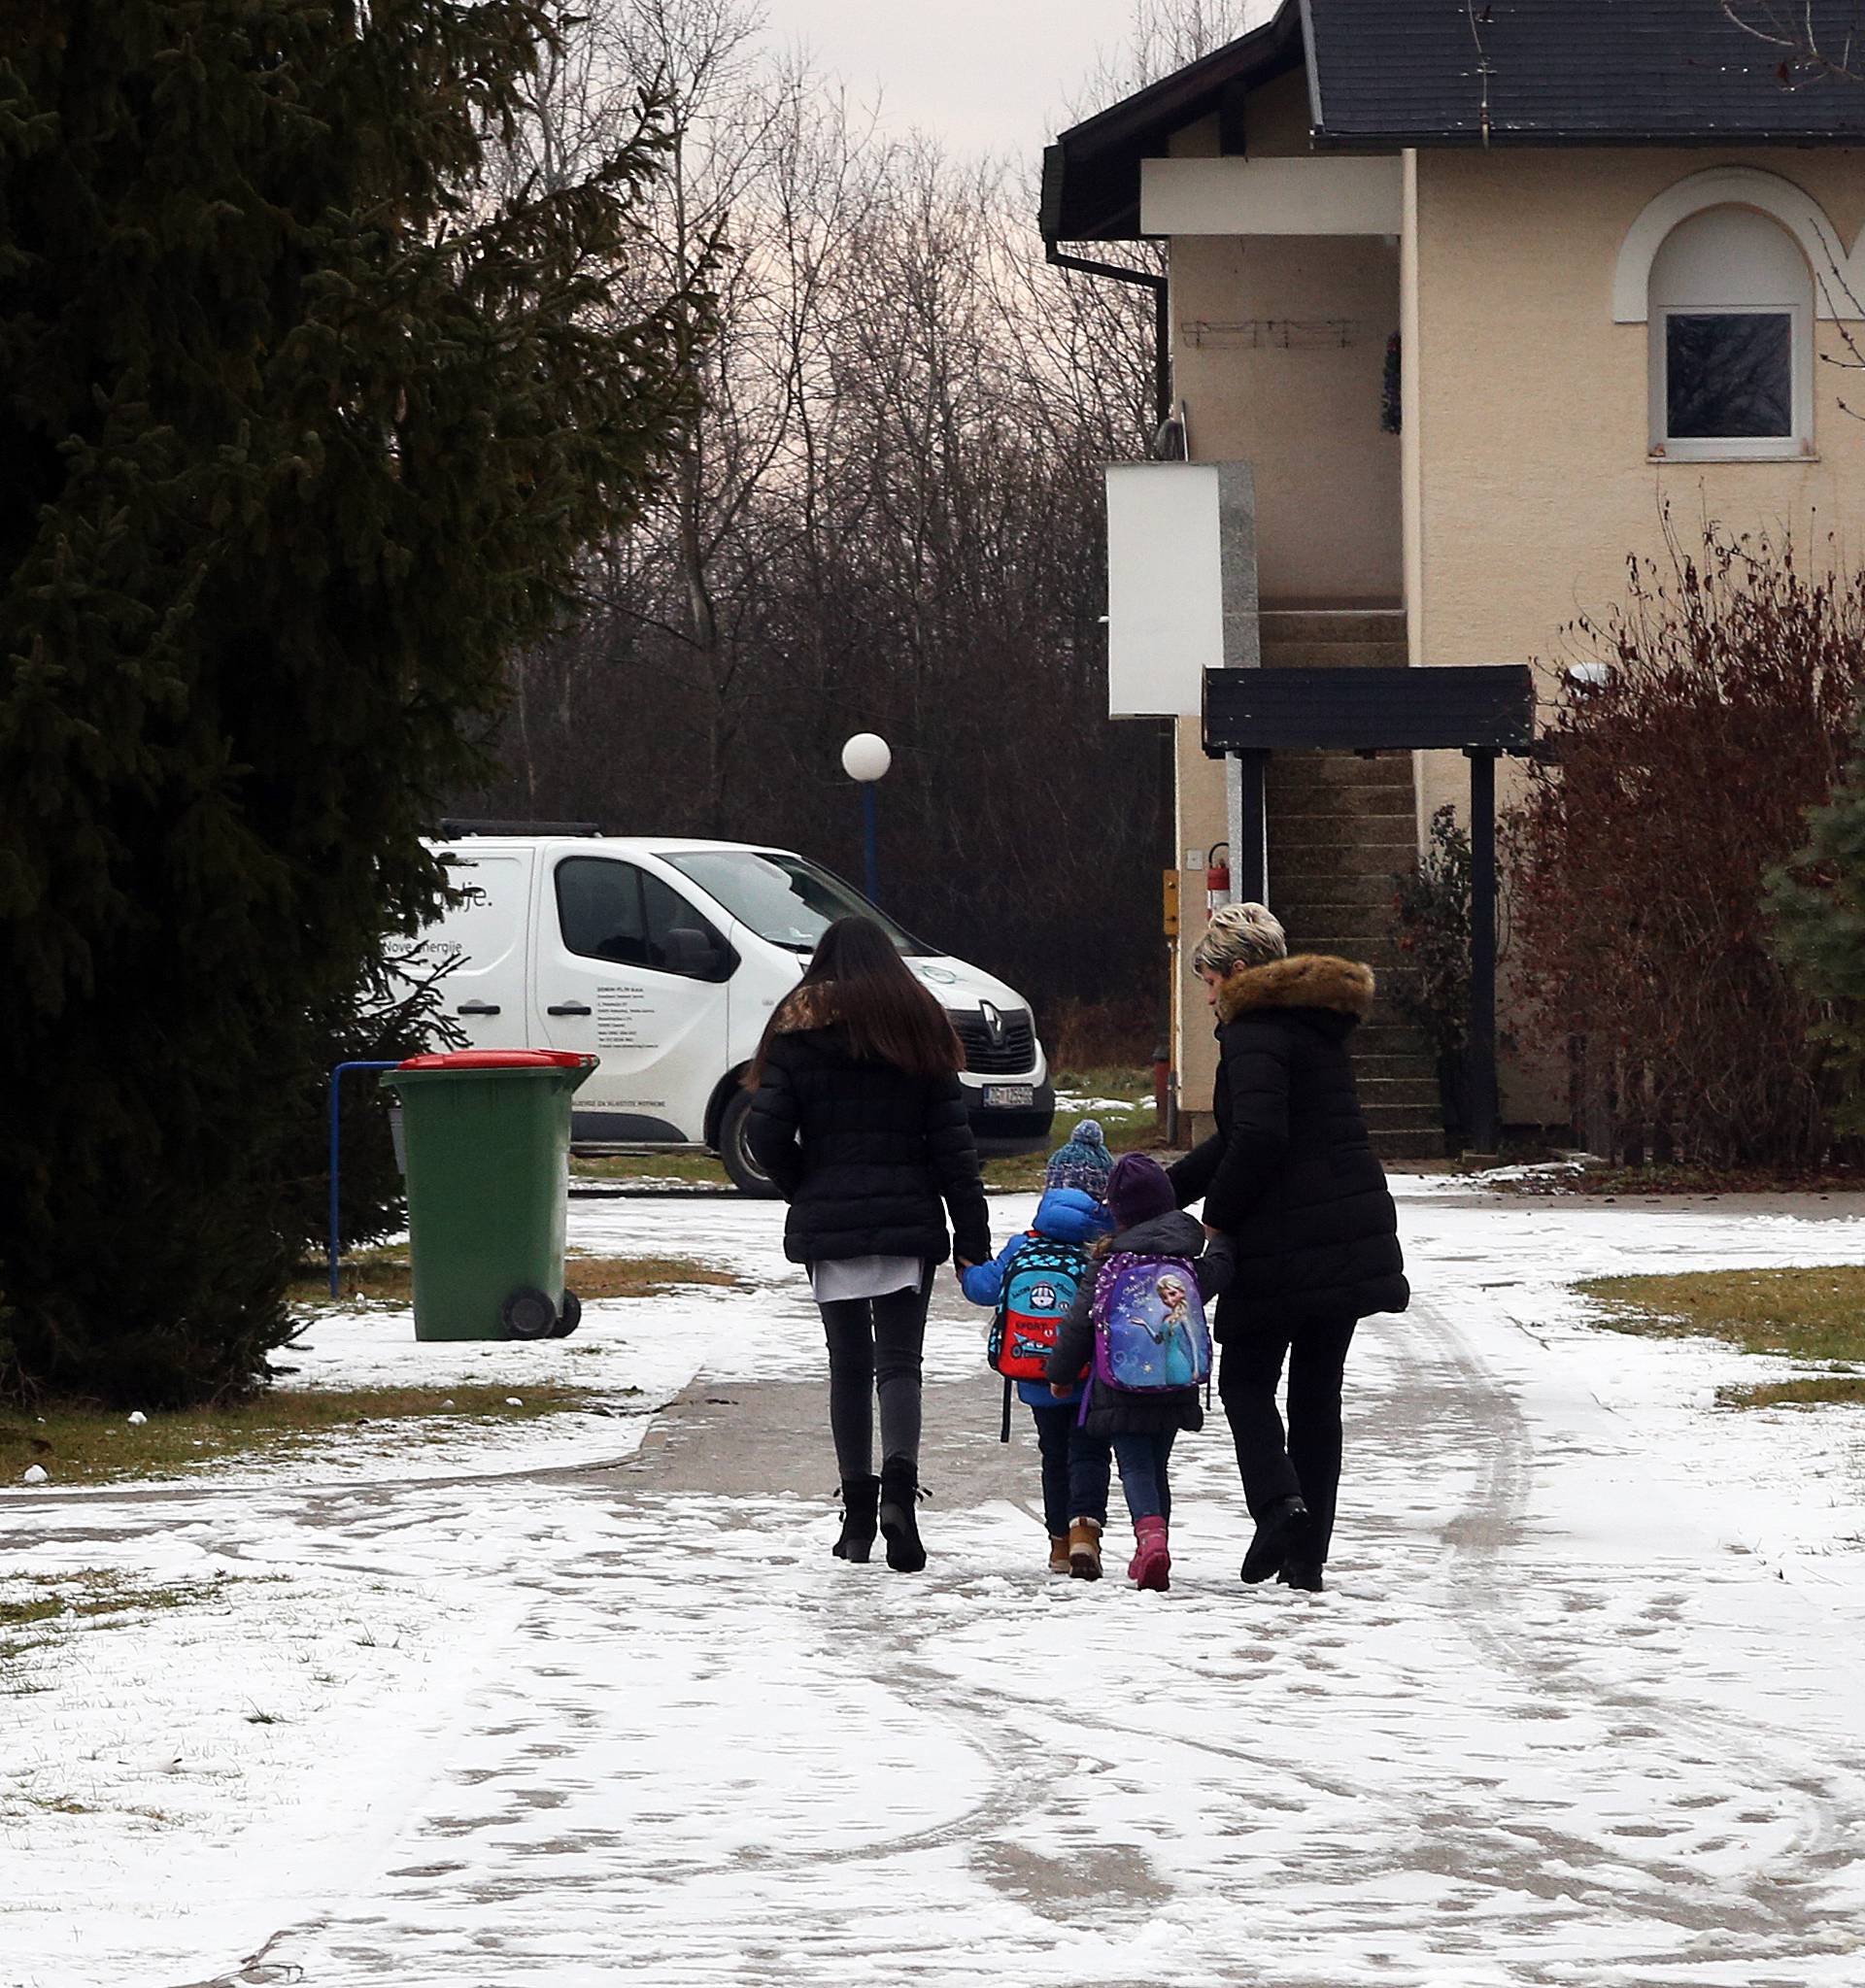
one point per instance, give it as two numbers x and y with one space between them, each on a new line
1578 1708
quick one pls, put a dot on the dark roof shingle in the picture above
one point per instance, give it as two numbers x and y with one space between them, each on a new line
1391 73
1554 71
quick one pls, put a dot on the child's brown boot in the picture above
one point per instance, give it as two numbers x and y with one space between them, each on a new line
1084 1549
1059 1563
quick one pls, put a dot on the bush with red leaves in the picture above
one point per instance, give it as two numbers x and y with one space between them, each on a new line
1673 787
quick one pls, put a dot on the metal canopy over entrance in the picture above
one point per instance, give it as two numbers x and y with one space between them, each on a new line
1482 711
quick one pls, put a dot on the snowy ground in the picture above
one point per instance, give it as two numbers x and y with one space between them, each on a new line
1577 1709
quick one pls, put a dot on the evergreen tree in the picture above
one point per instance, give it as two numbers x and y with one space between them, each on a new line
303 429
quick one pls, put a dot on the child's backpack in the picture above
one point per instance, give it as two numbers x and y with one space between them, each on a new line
1150 1325
1039 1289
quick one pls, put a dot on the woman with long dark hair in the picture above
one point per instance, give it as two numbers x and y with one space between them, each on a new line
858 1117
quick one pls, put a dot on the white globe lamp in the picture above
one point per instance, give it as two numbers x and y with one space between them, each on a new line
866 756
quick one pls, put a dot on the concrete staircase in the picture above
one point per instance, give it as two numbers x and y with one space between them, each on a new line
1341 829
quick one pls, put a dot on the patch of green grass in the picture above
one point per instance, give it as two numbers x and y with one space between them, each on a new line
1129 1081
1602 1182
88 1445
383 1277
1130 1127
1813 1314
1804 1314
1815 1390
86 1592
693 1166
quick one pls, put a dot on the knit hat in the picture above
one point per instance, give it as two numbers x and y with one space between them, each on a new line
1138 1189
1083 1162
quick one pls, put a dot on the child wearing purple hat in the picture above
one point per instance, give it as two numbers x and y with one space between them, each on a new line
1141 1426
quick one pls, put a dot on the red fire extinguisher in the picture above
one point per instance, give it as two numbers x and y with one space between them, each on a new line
1217 878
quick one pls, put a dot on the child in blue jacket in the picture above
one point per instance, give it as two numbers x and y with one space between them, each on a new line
1075 1465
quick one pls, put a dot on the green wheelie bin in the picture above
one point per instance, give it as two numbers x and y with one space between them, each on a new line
488 1135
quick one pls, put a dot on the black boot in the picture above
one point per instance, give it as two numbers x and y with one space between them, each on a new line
1274 1531
899 1486
860 1504
1304 1575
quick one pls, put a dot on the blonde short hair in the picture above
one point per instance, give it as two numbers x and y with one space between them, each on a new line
1241 935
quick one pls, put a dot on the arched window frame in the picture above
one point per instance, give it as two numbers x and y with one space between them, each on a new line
1733 292
1837 286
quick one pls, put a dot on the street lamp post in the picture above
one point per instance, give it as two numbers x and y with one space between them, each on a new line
865 758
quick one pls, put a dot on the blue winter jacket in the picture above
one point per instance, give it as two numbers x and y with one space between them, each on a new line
1062 1215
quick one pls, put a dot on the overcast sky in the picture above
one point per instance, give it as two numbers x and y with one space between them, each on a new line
984 75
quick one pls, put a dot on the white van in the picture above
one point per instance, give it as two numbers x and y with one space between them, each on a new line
665 958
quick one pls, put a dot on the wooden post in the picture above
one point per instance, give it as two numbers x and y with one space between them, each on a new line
1481 1050
1252 858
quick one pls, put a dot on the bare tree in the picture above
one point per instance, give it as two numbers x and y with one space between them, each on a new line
1810 47
889 517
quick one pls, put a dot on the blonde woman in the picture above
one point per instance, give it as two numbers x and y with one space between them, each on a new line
1291 1178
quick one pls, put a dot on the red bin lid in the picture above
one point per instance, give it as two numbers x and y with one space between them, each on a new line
498 1059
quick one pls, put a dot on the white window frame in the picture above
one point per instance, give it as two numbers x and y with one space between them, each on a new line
1794 447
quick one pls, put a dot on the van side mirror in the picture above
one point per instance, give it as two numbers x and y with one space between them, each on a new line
690 951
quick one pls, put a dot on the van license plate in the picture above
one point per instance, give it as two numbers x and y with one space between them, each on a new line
1007 1096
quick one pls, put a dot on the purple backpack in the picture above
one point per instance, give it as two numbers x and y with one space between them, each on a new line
1150 1325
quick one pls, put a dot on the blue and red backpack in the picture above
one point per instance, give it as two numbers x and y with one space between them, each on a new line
1038 1290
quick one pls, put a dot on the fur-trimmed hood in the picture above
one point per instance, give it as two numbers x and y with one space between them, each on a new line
1306 980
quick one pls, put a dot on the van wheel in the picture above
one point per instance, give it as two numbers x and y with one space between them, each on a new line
747 1176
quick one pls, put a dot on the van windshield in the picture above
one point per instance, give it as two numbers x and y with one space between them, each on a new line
783 899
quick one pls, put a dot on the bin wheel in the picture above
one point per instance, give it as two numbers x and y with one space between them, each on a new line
528 1314
747 1176
568 1317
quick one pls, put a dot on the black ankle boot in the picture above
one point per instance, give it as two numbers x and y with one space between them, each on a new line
899 1486
1276 1533
860 1507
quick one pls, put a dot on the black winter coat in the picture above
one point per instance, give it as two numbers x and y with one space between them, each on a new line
1114 1411
869 1157
1290 1173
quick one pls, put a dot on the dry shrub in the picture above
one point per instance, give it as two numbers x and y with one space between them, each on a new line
1726 712
1100 1035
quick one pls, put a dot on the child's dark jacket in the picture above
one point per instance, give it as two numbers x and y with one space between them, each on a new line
1112 1412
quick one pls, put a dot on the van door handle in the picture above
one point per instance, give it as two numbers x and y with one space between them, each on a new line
477 1008
569 1008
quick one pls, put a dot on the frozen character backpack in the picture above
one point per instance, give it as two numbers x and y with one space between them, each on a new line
1150 1325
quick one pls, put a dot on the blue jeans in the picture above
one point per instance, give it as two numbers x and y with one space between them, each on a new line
1142 1460
1075 1468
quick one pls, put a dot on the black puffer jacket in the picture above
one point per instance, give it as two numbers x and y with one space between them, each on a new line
1290 1173
1112 1412
869 1157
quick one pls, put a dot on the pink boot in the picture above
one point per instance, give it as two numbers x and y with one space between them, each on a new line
1151 1566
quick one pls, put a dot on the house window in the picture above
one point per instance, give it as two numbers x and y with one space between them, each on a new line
1731 340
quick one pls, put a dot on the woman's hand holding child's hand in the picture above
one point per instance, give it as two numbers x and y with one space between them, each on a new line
1061 1394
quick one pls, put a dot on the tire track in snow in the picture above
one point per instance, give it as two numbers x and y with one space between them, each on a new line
1775 1900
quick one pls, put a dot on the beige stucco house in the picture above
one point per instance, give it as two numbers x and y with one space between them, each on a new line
1589 260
